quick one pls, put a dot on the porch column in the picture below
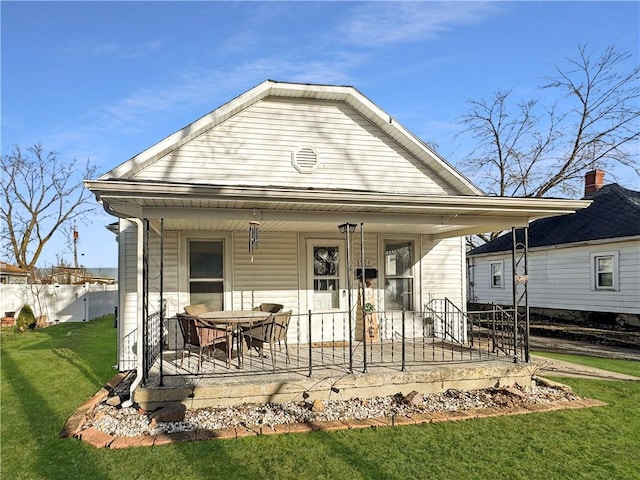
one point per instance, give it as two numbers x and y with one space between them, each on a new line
520 295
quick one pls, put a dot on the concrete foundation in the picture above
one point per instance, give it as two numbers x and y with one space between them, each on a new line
330 384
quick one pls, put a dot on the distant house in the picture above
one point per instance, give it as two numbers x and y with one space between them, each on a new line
583 266
77 276
12 274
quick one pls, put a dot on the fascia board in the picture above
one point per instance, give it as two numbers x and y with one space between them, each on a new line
530 207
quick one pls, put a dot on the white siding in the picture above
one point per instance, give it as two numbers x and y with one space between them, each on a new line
255 148
443 271
171 278
272 276
561 278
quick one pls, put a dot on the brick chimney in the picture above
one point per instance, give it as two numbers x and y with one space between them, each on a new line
593 181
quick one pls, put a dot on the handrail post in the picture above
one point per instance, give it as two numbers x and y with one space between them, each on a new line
363 280
162 309
403 340
493 329
309 336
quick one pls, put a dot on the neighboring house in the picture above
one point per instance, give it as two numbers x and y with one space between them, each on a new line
78 276
583 266
243 207
12 274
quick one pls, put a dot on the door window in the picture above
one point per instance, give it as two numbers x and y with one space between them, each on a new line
206 273
326 277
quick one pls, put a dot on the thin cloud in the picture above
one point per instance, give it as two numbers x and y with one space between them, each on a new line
198 90
386 23
114 49
143 49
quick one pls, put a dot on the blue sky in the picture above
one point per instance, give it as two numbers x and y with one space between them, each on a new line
106 80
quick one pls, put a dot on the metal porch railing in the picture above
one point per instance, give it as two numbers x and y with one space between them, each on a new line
441 332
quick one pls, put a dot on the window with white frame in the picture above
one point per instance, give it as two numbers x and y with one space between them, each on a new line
497 269
206 273
604 271
398 275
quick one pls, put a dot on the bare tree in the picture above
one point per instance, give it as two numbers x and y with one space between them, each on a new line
536 149
40 195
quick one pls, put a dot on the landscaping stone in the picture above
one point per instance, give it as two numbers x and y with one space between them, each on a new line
171 413
103 425
414 398
317 406
113 401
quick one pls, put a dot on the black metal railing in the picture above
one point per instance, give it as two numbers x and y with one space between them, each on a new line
441 332
152 343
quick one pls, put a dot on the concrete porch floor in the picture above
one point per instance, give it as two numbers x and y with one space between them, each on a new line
442 369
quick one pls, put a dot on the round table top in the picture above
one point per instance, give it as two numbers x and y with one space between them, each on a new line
234 316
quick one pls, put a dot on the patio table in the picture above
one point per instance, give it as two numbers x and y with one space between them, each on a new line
236 319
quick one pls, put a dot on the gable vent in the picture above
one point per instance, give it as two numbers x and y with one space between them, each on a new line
305 159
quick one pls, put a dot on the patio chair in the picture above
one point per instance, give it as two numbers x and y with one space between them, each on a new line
270 307
196 310
200 335
271 331
266 307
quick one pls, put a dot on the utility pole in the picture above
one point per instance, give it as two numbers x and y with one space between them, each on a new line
75 246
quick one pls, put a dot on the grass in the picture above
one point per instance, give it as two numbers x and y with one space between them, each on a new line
46 374
611 364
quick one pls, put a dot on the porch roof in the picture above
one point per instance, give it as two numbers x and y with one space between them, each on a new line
229 208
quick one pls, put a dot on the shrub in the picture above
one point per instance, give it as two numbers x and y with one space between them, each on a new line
26 318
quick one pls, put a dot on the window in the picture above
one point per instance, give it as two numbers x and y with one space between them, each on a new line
206 273
398 271
604 267
326 277
496 274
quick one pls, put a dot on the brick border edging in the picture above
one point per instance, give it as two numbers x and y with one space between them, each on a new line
76 421
92 436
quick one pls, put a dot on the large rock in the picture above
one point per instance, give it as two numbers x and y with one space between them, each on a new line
414 398
171 413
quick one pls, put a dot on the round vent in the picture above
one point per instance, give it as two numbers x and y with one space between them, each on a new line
305 159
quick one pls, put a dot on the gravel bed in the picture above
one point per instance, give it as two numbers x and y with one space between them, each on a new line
129 422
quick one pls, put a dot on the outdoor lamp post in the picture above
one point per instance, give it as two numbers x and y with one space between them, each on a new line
348 229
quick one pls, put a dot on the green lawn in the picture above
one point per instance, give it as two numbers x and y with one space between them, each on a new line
46 374
612 364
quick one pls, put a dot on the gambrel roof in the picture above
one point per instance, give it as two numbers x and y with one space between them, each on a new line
613 214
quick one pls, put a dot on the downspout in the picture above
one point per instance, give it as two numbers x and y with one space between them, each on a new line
139 300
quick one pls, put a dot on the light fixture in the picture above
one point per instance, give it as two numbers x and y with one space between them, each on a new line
350 226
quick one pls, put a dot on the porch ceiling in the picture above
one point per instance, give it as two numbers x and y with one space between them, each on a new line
223 208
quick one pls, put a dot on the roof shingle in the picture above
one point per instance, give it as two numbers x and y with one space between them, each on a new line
614 213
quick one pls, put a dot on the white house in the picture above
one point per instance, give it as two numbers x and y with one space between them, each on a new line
298 160
583 266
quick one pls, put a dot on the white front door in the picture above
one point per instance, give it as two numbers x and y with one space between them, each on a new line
326 267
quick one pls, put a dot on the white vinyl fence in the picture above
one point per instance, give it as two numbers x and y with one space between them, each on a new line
61 303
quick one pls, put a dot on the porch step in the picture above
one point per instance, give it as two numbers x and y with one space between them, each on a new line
330 384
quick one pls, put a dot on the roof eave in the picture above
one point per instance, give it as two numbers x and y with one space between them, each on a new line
531 207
